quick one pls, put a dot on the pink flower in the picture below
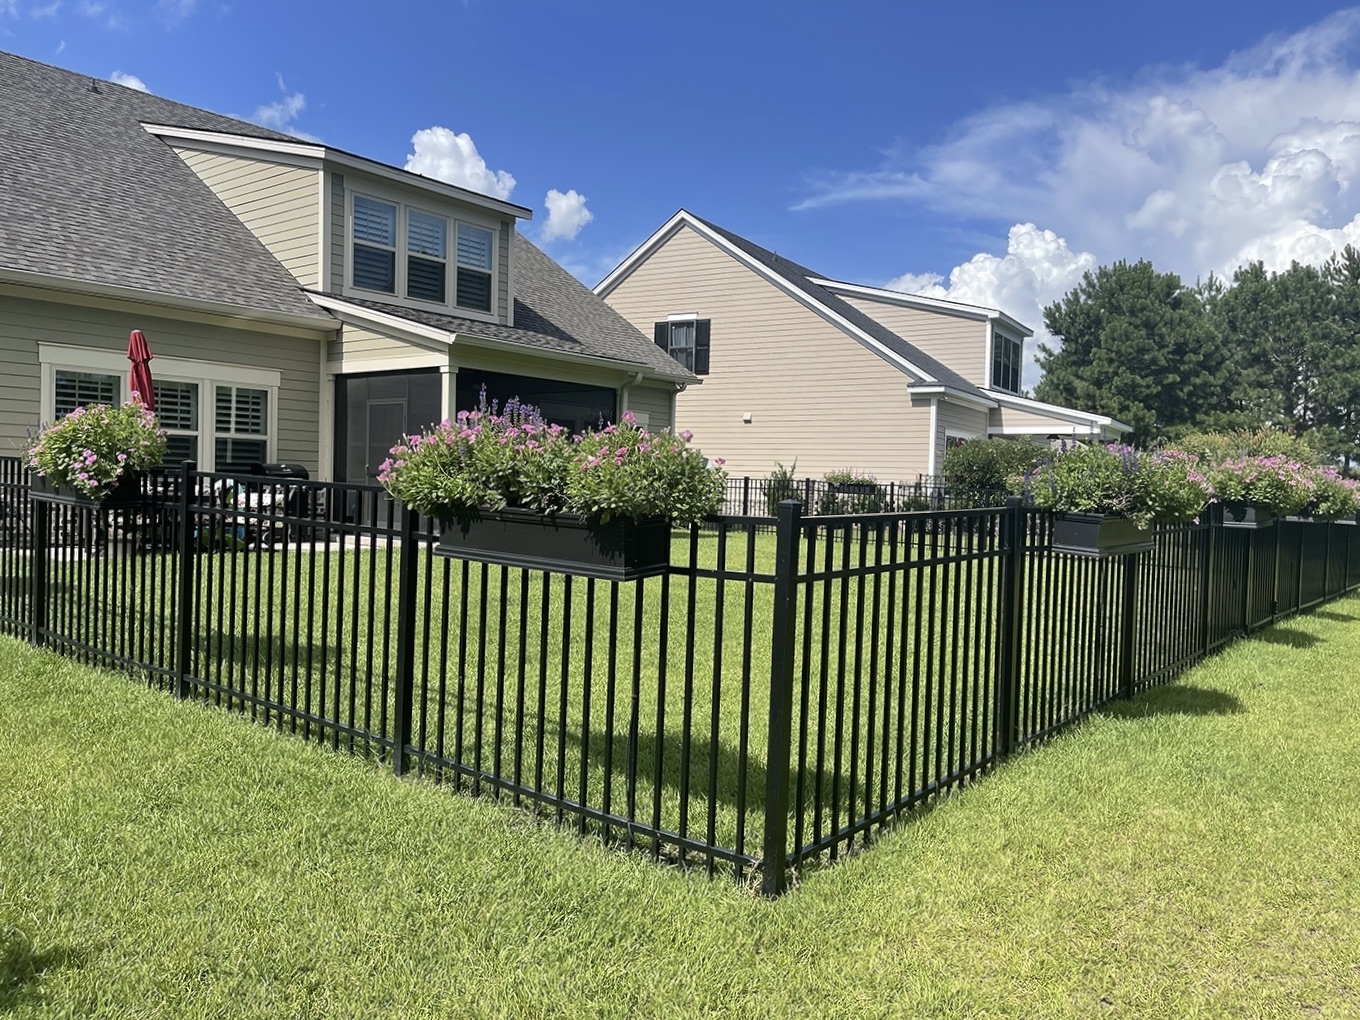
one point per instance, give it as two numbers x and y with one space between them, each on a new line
687 435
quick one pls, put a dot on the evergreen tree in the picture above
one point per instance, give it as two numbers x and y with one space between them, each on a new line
1139 346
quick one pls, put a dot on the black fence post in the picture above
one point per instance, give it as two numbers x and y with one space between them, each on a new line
403 682
746 496
184 602
1207 579
37 570
782 645
1128 614
1009 631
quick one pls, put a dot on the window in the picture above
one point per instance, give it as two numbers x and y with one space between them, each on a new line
474 267
1005 363
416 255
177 411
953 439
686 339
242 435
426 256
75 389
375 245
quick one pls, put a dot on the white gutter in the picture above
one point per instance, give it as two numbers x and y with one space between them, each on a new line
934 436
943 392
65 285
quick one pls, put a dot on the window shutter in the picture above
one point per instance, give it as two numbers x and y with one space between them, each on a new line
661 333
701 347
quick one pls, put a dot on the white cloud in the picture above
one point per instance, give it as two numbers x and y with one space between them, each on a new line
1198 170
46 12
1037 269
281 114
10 8
567 214
130 81
453 158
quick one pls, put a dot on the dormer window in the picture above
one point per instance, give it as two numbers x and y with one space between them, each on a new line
375 245
420 257
1005 363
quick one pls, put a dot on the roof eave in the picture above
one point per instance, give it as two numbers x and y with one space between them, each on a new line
1058 411
959 308
944 392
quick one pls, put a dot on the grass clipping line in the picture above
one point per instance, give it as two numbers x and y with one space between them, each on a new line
1189 853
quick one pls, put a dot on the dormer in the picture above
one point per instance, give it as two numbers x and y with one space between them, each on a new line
356 228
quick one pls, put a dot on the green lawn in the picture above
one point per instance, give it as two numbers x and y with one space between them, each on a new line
1191 853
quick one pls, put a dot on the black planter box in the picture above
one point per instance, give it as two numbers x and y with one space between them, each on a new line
1098 535
1247 515
621 550
125 492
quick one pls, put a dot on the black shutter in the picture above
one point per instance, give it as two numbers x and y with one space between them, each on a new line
662 332
701 346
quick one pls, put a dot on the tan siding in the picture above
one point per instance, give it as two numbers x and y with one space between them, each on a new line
971 421
655 403
953 341
337 254
814 394
24 324
1038 424
279 204
356 345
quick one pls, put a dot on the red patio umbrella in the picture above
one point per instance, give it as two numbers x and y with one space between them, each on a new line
140 356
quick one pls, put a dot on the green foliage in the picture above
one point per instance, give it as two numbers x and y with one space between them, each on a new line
980 468
1334 497
1285 486
488 461
851 492
781 485
1213 447
1136 345
90 448
1120 480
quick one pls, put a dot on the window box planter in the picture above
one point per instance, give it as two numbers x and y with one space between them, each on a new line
125 492
1098 535
621 550
1247 515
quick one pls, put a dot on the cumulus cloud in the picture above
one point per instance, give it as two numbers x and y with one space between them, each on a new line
1198 170
1037 269
454 159
280 115
567 214
130 81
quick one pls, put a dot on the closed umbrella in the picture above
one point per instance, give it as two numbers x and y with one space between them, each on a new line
140 356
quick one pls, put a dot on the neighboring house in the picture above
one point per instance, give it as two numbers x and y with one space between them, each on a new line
303 304
832 375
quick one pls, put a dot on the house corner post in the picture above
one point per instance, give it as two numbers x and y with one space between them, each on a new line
403 682
782 643
1009 633
184 600
37 570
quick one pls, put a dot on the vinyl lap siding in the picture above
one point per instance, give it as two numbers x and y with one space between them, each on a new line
356 345
814 394
655 403
971 421
951 340
280 205
338 235
24 324
503 273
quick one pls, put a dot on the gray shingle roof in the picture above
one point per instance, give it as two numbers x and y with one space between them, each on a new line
801 277
554 312
88 195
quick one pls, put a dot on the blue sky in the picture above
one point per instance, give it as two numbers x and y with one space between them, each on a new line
985 151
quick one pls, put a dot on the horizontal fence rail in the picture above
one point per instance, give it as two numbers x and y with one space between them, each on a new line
770 702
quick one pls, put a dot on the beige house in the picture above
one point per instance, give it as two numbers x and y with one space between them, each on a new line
303 304
833 375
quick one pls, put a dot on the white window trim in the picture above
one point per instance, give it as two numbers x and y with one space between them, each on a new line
207 374
452 218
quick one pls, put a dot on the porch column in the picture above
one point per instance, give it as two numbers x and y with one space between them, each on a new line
448 391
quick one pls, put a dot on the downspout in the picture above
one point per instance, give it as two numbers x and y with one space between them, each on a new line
624 390
934 436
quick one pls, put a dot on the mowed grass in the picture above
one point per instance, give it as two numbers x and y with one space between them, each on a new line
1190 853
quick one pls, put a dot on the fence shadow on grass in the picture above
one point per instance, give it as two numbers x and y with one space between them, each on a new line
1328 614
1285 637
1176 699
22 969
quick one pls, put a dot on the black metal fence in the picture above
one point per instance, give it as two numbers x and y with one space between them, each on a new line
760 497
771 702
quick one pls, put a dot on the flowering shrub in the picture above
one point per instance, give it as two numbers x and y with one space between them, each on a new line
487 460
1281 484
851 492
1334 497
91 447
1118 480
